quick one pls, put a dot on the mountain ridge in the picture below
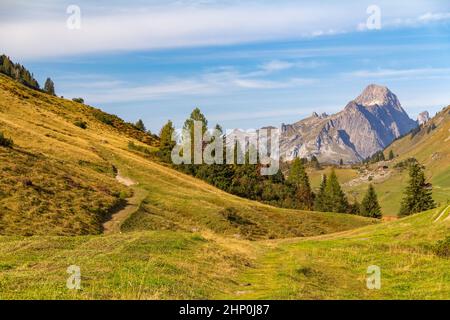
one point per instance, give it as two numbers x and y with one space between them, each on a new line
366 125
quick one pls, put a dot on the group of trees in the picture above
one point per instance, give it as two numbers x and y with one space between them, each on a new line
17 72
245 180
294 190
379 156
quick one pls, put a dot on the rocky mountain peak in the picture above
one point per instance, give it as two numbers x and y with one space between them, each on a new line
377 95
366 125
423 118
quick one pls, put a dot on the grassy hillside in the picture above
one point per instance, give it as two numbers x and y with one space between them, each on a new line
335 266
185 239
179 265
59 180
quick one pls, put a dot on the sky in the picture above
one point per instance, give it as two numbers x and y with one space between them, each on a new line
245 64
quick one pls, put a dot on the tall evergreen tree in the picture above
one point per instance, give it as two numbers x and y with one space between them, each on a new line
418 193
335 199
319 203
166 143
299 179
49 87
140 125
369 206
391 155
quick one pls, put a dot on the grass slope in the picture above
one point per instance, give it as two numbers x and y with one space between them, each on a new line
335 266
187 239
71 185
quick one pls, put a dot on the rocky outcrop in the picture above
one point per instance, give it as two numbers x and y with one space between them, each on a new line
423 118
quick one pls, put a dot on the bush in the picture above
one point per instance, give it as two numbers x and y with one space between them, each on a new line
78 100
81 124
5 142
442 248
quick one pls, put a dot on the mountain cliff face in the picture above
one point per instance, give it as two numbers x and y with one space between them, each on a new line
366 125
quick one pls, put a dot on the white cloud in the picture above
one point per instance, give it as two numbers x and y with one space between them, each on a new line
131 27
224 81
401 73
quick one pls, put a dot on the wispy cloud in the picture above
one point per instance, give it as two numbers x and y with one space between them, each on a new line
401 73
136 26
225 81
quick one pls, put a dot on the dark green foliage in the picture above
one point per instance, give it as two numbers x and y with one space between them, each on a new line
335 199
300 182
418 193
166 144
430 128
391 155
78 100
406 163
319 203
49 86
81 124
5 142
369 206
140 125
17 72
376 157
341 162
442 248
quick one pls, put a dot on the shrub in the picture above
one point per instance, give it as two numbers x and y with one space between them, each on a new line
81 124
78 100
442 248
5 142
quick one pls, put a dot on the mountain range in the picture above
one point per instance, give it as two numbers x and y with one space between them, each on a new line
366 125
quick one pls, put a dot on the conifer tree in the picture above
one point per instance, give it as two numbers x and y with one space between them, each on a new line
418 193
49 87
140 125
391 155
335 199
319 203
166 142
369 206
299 179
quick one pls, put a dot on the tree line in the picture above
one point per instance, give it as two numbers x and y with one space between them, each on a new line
19 73
290 191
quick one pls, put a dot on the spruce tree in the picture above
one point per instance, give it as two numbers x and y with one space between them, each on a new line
319 203
391 155
166 142
140 125
299 179
335 199
369 206
49 87
418 193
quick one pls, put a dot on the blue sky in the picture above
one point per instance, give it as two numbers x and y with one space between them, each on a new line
245 64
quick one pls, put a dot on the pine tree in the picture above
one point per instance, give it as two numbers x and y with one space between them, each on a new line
335 199
341 162
299 179
49 87
418 193
166 142
140 125
369 206
391 155
319 203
